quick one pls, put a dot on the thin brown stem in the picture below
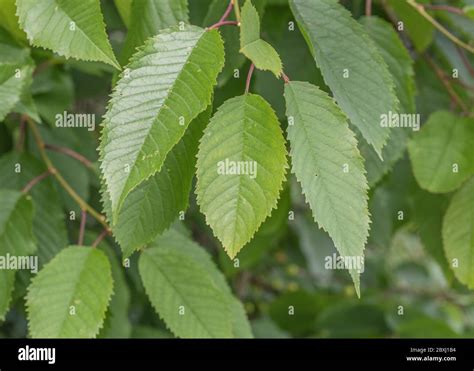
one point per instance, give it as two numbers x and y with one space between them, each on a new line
69 152
440 74
101 236
368 8
82 229
21 137
249 78
447 8
227 11
420 9
35 181
465 61
285 77
223 23
456 81
82 204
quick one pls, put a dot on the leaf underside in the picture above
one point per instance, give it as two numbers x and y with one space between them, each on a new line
351 66
400 65
329 167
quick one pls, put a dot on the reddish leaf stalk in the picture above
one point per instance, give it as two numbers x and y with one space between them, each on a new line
82 228
440 74
83 204
249 78
465 61
35 181
69 152
227 11
368 8
223 23
101 236
447 8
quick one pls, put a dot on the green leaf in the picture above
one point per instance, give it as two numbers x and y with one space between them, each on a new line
420 30
117 323
441 153
9 19
168 82
351 66
430 328
252 46
69 296
174 239
148 17
370 323
70 28
73 171
290 43
49 226
234 59
469 11
400 65
329 167
16 238
53 93
16 216
184 294
306 307
156 203
124 7
240 169
458 234
7 283
428 219
16 69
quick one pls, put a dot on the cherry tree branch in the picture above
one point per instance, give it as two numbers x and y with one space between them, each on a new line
82 204
69 152
236 9
421 9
